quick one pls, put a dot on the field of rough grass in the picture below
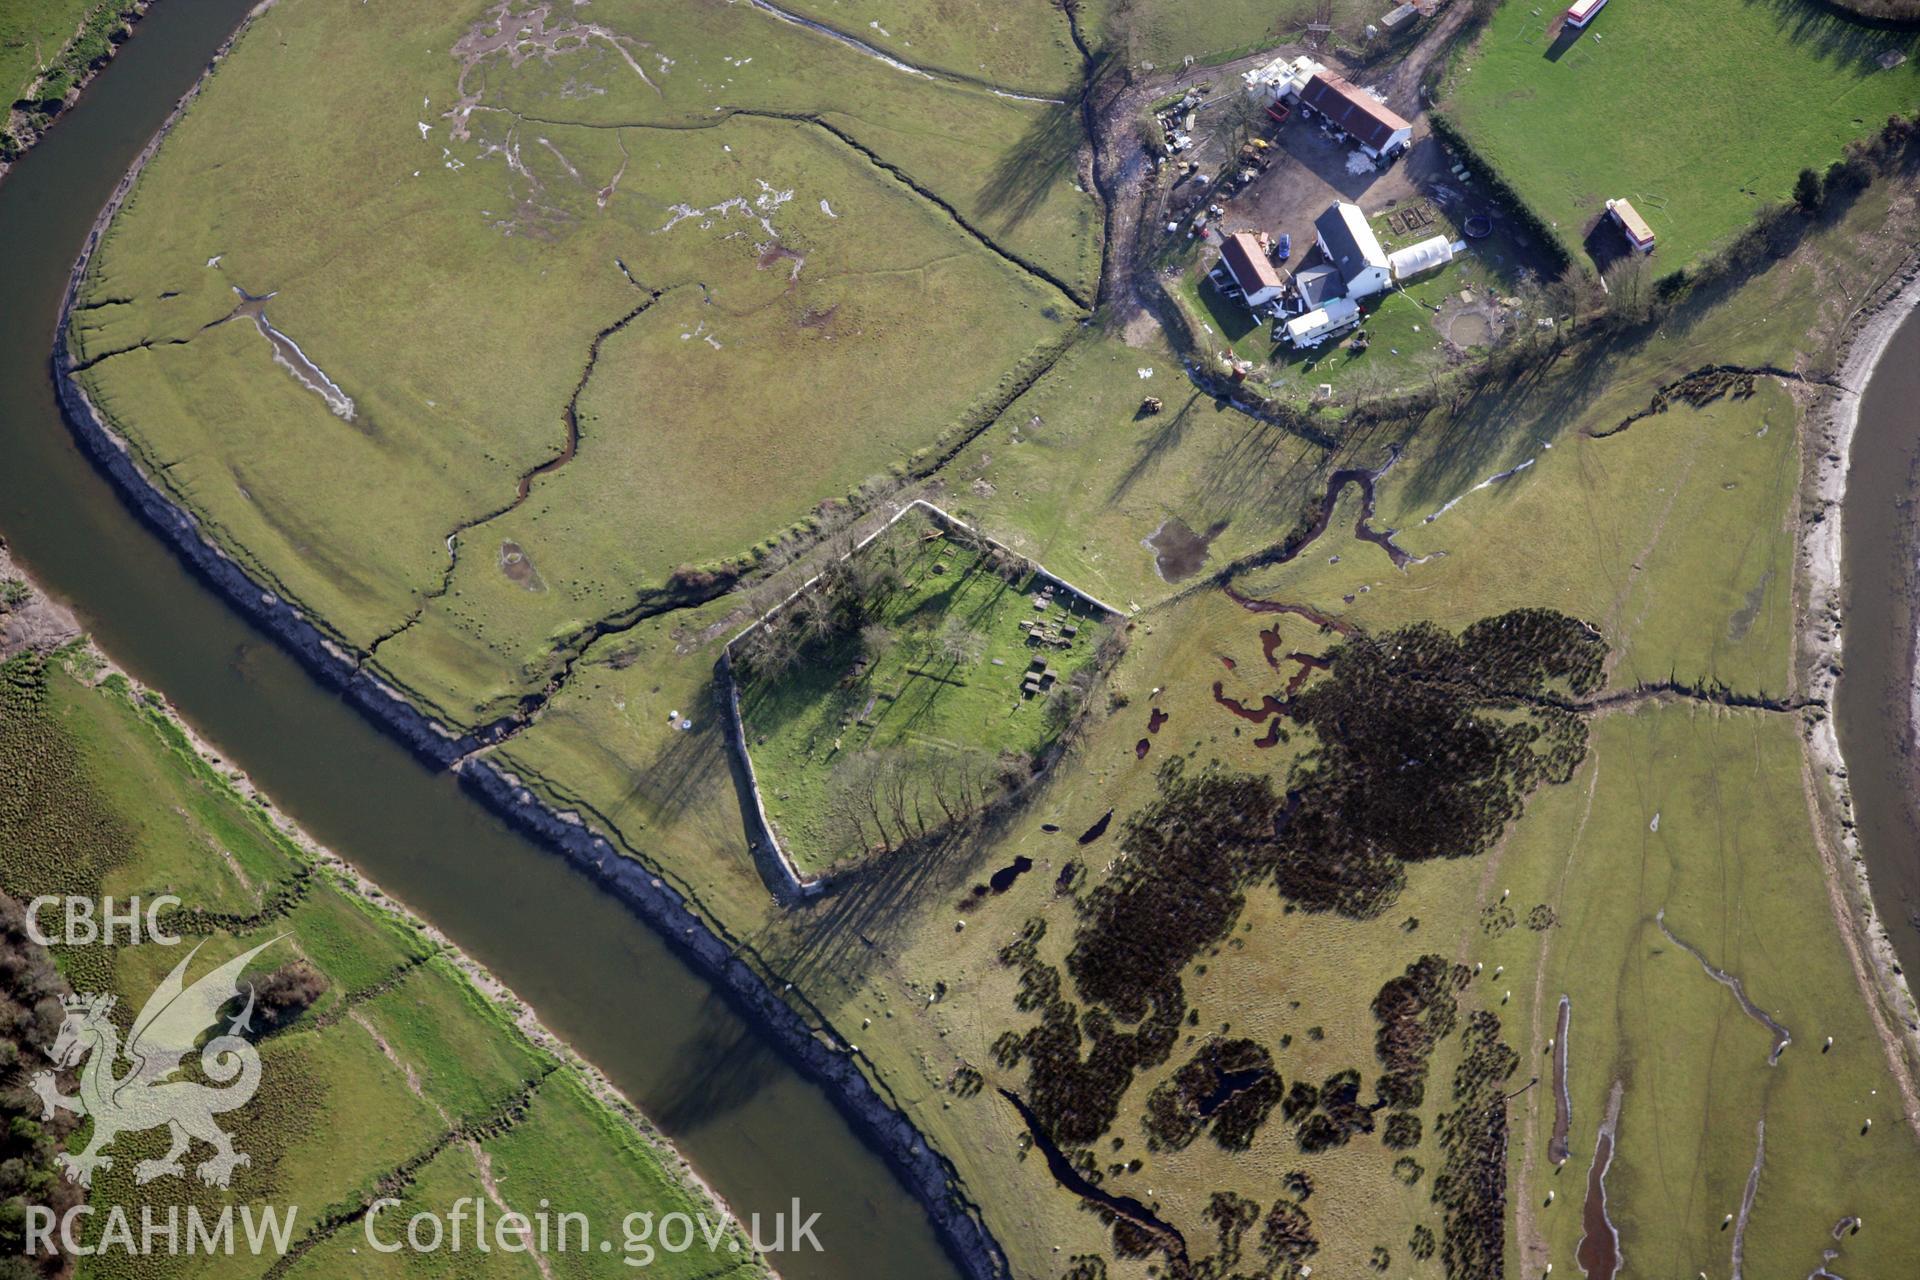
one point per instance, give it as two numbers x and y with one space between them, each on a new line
733 291
1673 537
397 1040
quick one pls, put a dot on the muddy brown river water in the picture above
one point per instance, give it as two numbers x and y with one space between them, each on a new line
1873 701
758 1130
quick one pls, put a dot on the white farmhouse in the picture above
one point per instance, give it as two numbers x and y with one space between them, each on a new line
1353 250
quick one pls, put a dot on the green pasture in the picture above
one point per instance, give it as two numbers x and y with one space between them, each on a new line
1013 44
1165 33
1701 813
32 34
807 295
1699 113
398 1050
947 677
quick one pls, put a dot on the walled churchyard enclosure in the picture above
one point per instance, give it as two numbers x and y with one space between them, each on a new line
921 678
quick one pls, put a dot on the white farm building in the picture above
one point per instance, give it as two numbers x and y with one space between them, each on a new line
1353 250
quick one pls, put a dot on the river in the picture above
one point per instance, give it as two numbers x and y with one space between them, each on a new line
752 1125
1874 698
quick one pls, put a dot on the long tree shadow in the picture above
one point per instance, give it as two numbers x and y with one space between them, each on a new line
1028 170
736 1064
1847 39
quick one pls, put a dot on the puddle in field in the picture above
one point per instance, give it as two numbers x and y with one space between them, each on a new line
1098 829
1178 552
1599 1251
288 355
1002 880
1562 1100
518 568
1230 1083
1470 329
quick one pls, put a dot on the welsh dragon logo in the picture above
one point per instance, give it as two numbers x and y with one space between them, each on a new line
144 1097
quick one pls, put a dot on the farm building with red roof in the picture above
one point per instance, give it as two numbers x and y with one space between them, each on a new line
1372 125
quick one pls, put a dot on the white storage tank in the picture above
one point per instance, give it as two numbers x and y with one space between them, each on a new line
1416 259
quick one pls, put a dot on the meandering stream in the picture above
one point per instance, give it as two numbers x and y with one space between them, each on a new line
753 1126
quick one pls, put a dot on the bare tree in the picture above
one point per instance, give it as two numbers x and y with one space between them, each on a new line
959 643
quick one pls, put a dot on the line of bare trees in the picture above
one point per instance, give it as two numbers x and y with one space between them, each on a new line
885 799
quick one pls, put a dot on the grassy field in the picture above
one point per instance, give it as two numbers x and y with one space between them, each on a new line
31 37
1673 537
47 48
1164 33
937 668
1670 534
389 1059
1698 113
773 246
1019 46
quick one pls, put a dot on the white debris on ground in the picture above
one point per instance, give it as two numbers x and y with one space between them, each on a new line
882 30
1144 372
1358 162
425 129
214 261
828 209
767 202
700 331
1655 824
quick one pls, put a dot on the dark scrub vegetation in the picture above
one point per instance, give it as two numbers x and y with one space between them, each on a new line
1471 1186
1425 745
1226 1088
1416 1011
30 1014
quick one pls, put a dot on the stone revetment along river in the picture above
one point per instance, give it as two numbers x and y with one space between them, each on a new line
599 976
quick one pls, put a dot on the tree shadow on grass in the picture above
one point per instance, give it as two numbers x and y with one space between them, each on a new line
1852 42
1498 427
1028 171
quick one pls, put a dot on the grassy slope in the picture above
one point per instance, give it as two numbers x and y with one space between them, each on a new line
1023 45
500 325
1696 112
337 1111
32 33
1165 31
